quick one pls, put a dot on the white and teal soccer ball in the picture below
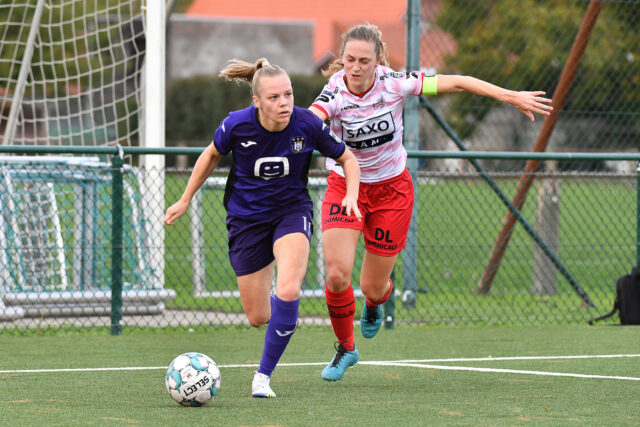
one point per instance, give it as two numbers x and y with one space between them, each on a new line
193 379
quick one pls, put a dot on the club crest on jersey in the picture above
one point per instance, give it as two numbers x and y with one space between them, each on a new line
297 144
379 103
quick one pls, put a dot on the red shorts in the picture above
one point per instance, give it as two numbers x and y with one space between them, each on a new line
385 206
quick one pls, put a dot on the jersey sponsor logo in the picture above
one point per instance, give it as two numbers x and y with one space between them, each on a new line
398 75
369 133
326 96
392 75
271 167
248 144
338 213
381 234
381 245
382 240
297 143
350 107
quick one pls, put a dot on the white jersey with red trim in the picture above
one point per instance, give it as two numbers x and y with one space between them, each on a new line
371 123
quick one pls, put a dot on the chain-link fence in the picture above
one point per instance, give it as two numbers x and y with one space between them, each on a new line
81 240
588 49
65 247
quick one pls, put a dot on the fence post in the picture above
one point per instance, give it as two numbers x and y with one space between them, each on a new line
389 307
544 277
117 162
638 214
411 141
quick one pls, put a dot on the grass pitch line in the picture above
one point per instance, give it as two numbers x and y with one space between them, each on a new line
491 358
504 371
417 363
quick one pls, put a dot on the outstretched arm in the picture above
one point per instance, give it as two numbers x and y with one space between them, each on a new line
527 102
204 166
351 170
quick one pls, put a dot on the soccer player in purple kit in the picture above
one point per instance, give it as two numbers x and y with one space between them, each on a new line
269 211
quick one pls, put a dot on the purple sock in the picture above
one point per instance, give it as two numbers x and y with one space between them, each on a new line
284 315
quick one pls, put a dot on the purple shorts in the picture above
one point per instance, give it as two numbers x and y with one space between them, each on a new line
251 242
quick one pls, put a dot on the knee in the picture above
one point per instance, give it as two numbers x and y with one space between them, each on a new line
337 278
373 292
290 293
257 320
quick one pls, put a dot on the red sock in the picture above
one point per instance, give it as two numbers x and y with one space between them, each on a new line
374 304
342 306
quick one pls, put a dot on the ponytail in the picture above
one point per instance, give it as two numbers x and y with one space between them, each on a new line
242 71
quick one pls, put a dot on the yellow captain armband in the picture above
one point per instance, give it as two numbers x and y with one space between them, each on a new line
430 85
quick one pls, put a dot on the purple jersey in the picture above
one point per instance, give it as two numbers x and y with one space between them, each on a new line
269 172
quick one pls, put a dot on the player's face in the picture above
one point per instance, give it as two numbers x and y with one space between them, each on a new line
360 62
274 102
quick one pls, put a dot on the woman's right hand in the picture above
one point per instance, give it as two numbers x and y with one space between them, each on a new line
175 211
351 205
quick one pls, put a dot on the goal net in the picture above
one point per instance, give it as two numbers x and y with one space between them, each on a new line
76 72
71 71
56 235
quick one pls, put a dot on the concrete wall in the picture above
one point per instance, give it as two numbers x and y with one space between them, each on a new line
204 45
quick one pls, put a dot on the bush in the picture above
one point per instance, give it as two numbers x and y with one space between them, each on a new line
197 105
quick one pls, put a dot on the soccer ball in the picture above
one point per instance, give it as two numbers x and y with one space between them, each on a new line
193 379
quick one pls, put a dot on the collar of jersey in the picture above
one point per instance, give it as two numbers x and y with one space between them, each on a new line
359 95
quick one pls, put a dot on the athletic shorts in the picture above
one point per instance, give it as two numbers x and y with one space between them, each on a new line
385 206
251 242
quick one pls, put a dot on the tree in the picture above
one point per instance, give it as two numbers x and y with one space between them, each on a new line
524 44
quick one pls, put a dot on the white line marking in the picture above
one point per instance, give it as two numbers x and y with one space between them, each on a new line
505 371
418 363
491 358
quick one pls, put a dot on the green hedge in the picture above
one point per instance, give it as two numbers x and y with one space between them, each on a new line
197 105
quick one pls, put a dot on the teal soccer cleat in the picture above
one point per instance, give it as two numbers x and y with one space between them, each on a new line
370 321
344 358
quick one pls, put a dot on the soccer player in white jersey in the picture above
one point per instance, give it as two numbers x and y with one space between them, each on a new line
363 101
269 211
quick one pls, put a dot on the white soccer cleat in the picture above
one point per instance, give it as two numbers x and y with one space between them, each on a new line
260 386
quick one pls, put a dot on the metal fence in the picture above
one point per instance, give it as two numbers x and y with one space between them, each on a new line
81 239
79 251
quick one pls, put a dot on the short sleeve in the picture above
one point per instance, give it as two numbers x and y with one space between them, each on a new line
222 138
329 144
412 84
326 101
404 84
